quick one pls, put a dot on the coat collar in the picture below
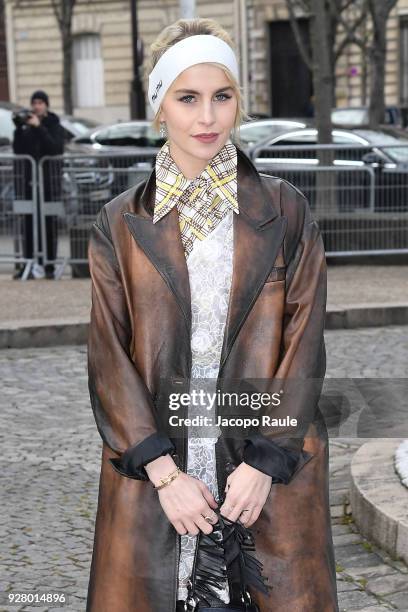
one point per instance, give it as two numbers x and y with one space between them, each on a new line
258 234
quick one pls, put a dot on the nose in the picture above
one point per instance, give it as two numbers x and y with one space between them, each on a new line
207 114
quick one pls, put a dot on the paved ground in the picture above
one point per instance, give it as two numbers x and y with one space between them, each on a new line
49 472
70 299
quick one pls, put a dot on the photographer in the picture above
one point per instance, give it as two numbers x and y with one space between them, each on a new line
39 133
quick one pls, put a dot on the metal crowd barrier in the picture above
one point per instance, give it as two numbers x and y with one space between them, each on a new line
358 194
18 212
73 188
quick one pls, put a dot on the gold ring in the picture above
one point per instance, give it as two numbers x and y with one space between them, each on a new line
208 519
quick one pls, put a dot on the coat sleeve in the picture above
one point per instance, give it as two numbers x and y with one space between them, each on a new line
302 365
122 404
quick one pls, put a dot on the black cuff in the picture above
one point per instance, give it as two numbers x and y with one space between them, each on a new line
274 460
135 457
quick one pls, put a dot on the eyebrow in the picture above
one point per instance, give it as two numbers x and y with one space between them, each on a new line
191 91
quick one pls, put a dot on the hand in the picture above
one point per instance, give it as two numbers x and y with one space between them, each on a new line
185 501
247 488
33 120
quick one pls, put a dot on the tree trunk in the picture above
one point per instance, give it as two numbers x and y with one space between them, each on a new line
377 96
63 11
323 88
380 11
67 73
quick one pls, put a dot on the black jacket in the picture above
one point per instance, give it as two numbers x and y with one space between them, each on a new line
38 142
46 139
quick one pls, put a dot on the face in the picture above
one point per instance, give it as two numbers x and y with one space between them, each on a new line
39 107
200 101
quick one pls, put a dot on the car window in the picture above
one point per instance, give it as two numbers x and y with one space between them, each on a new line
123 135
118 133
86 123
7 126
296 139
255 133
261 131
346 139
81 127
378 137
398 154
353 153
309 137
68 136
349 116
291 140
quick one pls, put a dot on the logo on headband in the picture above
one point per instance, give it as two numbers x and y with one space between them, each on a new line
159 84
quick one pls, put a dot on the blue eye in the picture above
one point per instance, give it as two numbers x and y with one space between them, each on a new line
226 97
185 98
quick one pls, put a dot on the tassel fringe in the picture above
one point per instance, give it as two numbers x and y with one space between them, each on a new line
214 554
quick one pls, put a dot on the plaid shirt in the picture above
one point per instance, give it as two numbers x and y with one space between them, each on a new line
201 202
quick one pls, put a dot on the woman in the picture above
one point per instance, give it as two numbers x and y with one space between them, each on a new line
206 274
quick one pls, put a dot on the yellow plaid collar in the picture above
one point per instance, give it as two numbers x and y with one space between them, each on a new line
219 176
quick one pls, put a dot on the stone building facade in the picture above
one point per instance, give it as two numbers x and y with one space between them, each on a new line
272 74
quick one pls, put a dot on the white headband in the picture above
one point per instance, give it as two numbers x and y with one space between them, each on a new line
187 52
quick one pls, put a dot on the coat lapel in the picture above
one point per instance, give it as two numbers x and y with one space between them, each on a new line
258 234
162 243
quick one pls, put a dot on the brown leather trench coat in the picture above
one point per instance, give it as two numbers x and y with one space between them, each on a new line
140 339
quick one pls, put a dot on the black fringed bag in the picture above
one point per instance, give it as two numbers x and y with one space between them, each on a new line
220 556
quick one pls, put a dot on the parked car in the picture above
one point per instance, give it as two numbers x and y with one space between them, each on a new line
7 126
131 148
77 126
375 163
358 116
138 134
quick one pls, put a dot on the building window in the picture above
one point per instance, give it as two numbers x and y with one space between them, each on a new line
88 77
404 61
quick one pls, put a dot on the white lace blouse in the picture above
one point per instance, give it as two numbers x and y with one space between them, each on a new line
210 273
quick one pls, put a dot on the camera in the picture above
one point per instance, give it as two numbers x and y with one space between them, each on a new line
20 117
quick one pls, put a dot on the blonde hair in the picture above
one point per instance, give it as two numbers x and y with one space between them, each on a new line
180 29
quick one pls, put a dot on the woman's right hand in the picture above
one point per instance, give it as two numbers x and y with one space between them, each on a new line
186 501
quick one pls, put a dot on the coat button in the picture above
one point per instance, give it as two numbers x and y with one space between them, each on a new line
230 467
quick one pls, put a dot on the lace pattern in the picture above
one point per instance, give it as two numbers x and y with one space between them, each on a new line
210 273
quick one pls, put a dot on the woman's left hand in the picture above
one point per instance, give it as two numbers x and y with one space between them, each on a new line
247 489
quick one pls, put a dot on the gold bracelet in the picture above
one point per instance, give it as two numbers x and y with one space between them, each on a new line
167 479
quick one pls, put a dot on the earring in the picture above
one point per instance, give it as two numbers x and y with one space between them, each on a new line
163 130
